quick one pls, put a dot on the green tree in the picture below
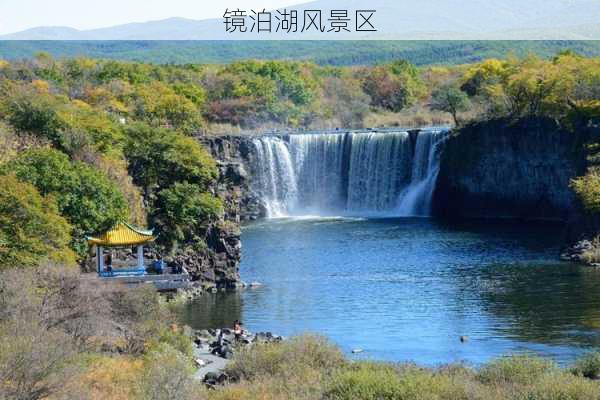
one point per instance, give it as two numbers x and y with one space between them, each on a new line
587 188
34 113
182 211
159 157
450 99
160 105
85 196
31 228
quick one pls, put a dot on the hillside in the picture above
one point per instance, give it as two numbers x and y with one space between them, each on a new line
340 53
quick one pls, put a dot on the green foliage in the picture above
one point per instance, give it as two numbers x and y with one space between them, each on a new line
159 157
292 357
31 229
96 127
558 387
323 52
450 99
588 365
373 381
160 105
35 113
520 369
85 196
587 188
182 210
109 113
565 88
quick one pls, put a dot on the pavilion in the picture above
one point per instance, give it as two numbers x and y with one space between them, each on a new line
122 235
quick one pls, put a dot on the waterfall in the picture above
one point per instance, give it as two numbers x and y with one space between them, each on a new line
275 176
416 198
355 173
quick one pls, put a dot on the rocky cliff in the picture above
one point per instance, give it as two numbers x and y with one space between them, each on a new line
217 265
235 156
502 169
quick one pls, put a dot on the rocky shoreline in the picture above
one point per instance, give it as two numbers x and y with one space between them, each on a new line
584 252
214 349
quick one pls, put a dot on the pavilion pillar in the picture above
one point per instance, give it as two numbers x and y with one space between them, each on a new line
100 258
140 256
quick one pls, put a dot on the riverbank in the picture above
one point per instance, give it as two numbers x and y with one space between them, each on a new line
215 348
310 368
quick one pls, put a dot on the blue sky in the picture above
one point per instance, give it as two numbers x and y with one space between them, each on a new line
17 15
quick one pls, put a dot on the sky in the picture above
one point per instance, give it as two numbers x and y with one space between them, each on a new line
18 15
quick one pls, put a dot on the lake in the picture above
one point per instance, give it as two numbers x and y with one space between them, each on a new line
408 288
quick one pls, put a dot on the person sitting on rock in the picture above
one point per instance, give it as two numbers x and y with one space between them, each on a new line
237 330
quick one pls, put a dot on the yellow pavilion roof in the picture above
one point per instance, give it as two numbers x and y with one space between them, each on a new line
123 234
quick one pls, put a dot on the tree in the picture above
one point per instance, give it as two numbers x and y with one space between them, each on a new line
450 99
85 196
181 212
345 101
394 86
159 157
488 72
587 188
160 105
31 228
34 113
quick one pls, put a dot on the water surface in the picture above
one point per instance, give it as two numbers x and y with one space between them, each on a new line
407 289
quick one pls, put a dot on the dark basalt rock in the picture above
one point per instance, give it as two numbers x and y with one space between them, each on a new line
218 263
501 168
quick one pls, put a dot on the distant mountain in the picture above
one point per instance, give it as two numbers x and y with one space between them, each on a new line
46 33
394 19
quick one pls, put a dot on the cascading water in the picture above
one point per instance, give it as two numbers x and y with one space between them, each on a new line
357 173
416 198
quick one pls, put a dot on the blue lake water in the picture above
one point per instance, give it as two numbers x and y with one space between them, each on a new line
407 289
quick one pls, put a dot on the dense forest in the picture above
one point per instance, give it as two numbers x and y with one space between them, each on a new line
85 143
322 52
98 141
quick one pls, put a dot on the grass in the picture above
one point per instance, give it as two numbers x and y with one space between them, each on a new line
310 368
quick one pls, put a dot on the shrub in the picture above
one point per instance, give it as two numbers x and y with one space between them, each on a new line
272 388
56 297
292 357
371 381
168 375
592 256
588 365
561 386
114 378
587 188
141 315
31 229
34 361
516 369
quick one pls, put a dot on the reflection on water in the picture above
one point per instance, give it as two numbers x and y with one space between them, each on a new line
407 289
216 310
